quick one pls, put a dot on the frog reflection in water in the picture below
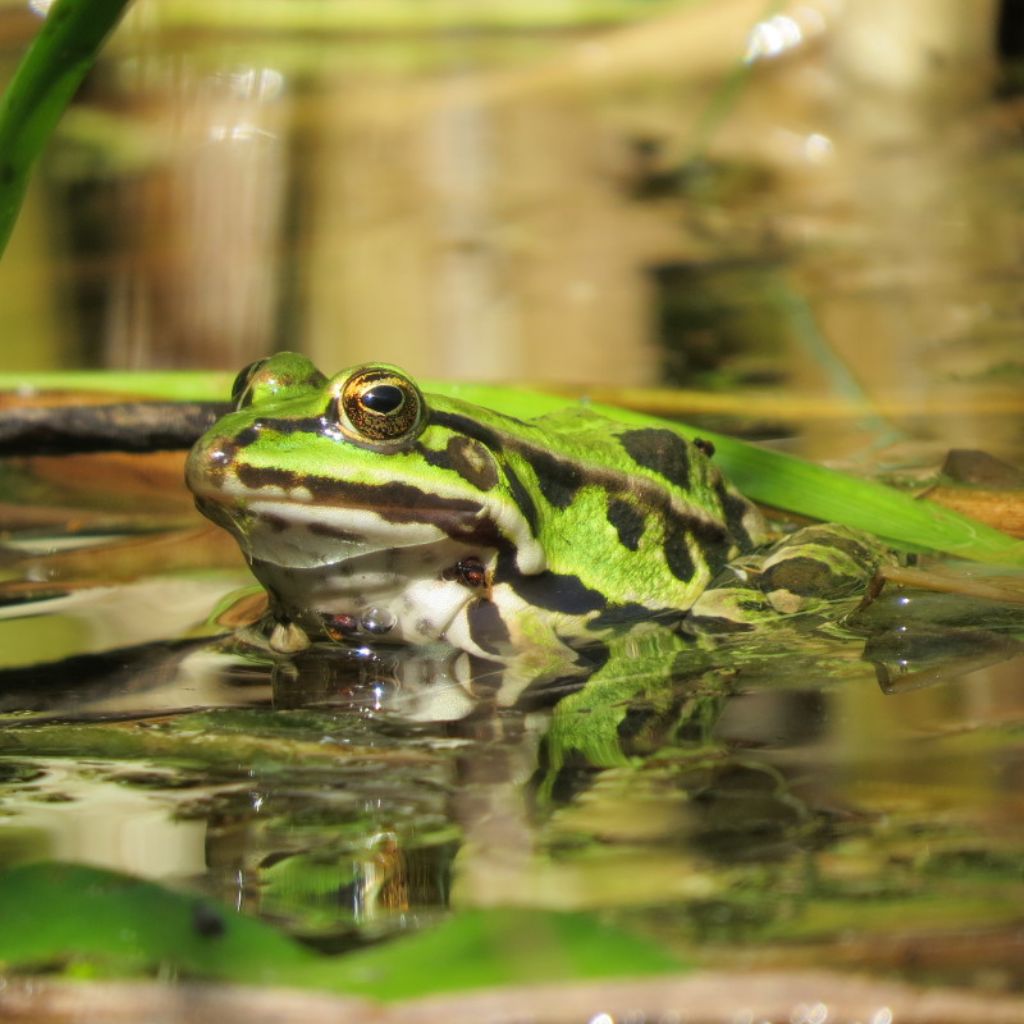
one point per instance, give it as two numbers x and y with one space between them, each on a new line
371 511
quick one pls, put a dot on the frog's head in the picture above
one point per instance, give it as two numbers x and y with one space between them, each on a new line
353 485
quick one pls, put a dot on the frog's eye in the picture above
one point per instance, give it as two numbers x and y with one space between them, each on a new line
241 392
284 375
381 404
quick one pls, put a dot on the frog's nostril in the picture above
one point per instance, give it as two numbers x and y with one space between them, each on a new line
219 455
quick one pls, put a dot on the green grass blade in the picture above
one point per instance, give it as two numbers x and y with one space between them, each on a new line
783 481
41 89
168 385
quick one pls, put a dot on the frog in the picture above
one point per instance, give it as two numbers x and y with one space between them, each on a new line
374 513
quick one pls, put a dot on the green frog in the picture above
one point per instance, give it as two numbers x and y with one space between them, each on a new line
372 512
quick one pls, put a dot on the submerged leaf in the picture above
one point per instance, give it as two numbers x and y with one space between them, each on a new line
503 946
56 914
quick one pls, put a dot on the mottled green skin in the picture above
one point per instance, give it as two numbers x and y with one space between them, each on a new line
576 525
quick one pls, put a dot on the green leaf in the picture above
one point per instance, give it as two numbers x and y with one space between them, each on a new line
46 80
79 916
170 385
53 913
505 946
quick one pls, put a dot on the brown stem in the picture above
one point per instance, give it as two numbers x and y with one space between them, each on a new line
125 427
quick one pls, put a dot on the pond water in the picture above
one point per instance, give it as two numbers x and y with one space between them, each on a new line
835 267
842 794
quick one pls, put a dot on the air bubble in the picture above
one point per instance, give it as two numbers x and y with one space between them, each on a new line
378 621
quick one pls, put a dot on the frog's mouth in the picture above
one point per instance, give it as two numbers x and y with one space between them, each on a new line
289 534
291 520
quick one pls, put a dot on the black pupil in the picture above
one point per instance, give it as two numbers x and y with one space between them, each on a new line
382 398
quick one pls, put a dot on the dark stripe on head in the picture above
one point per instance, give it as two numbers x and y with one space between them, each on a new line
486 626
471 459
246 437
394 502
660 451
478 431
468 426
524 502
628 521
545 691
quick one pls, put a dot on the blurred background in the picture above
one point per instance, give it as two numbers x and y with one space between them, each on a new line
807 215
816 198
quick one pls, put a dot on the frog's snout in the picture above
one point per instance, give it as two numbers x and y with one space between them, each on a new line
208 462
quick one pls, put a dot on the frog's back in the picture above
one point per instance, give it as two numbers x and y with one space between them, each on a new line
638 513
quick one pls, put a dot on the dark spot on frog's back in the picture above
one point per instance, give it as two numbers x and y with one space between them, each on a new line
660 451
734 508
628 521
677 554
467 457
558 479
